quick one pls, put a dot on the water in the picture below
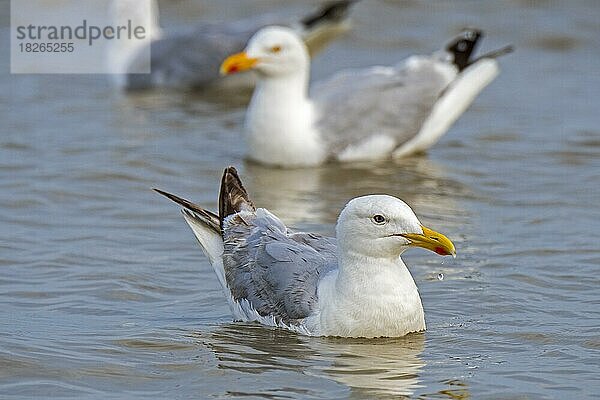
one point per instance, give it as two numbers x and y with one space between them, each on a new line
105 294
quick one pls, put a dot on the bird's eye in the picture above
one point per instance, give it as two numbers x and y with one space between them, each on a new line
379 219
275 49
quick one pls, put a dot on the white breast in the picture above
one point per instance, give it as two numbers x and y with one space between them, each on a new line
283 135
384 305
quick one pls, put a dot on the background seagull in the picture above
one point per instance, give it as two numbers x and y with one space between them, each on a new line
191 57
359 114
355 285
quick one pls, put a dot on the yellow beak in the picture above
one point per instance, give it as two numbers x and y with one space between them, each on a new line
431 240
237 63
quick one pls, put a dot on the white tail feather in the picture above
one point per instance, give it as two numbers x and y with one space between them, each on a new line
212 246
458 97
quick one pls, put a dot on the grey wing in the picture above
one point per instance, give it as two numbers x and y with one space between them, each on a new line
392 101
188 59
277 272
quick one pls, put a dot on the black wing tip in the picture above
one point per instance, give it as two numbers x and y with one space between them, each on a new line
473 33
186 204
509 48
231 180
193 210
469 34
333 11
231 170
463 46
233 197
179 200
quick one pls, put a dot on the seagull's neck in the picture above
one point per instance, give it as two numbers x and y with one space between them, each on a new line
292 88
370 297
279 122
365 275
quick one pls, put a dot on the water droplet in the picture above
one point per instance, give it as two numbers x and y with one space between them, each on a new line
440 276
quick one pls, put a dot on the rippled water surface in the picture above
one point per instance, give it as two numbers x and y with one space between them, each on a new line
105 294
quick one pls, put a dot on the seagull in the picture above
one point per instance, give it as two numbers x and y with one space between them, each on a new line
353 285
358 114
190 58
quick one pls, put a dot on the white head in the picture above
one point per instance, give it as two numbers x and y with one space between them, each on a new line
272 51
383 226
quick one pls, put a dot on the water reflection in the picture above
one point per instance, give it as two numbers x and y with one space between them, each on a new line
317 194
455 390
387 367
189 101
381 367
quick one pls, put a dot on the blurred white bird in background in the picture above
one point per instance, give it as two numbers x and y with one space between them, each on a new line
190 58
360 114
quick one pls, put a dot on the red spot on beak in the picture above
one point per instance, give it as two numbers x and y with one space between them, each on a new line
441 251
233 69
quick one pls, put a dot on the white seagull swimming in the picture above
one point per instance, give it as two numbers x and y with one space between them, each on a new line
360 114
190 57
354 285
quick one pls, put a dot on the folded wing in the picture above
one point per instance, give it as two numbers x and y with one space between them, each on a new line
275 271
388 104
